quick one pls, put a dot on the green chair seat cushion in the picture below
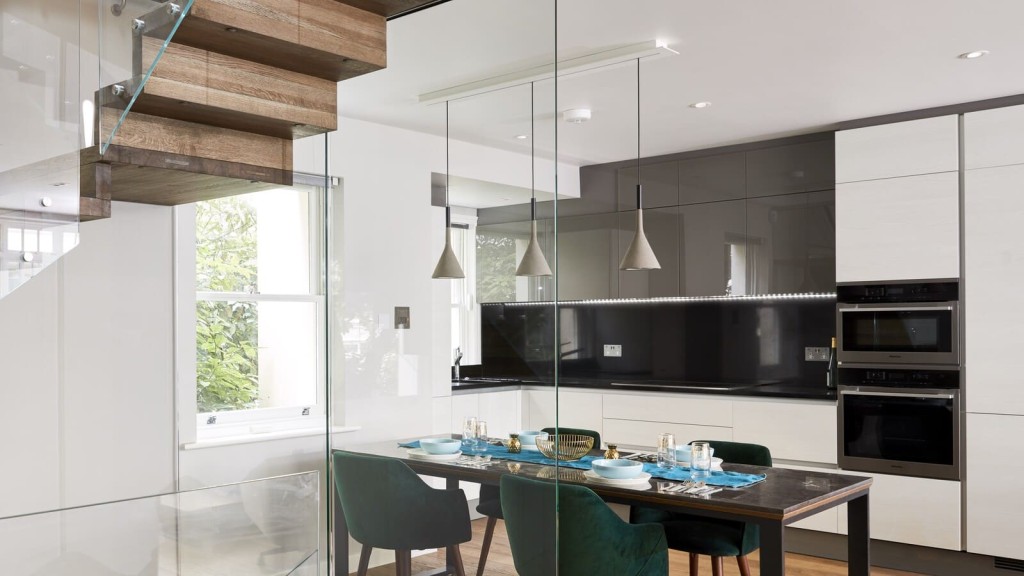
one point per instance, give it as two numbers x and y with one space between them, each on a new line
386 505
490 502
707 536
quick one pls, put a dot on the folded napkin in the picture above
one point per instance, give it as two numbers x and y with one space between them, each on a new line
413 444
717 477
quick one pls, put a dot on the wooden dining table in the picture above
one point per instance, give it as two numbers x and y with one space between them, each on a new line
783 497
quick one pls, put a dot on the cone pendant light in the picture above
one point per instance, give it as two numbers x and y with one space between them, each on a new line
448 266
639 255
533 262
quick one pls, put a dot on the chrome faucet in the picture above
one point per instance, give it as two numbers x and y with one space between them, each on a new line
458 359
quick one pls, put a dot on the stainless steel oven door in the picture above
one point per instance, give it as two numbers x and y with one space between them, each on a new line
893 333
903 431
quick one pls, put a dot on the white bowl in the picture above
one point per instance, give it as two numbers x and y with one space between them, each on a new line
440 445
617 469
529 437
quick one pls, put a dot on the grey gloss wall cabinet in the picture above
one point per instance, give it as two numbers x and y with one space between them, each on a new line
755 219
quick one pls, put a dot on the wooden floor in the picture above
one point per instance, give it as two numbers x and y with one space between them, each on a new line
499 560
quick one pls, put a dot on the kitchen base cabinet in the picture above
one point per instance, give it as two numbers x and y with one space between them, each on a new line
575 410
995 465
786 428
644 434
682 409
919 511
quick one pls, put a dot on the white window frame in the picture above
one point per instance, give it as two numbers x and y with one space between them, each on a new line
235 424
466 303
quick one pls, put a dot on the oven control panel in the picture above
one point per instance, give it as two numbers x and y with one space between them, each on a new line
902 378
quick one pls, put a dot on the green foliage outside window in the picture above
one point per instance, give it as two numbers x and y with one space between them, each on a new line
495 267
226 332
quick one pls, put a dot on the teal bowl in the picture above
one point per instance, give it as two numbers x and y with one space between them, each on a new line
617 469
440 445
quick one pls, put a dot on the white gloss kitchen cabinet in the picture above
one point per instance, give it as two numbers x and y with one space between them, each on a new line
995 460
897 201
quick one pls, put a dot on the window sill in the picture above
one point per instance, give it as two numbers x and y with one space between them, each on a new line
252 437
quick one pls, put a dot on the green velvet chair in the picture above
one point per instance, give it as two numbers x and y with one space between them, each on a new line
709 536
388 506
591 538
490 498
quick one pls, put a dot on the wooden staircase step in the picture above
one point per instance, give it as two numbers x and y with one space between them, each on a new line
322 38
197 85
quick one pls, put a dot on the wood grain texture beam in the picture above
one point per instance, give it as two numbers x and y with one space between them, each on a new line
322 38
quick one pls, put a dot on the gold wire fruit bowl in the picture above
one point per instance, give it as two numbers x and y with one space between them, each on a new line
570 446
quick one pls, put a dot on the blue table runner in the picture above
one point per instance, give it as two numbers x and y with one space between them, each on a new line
680 473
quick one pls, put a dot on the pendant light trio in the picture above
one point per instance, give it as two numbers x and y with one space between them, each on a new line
639 255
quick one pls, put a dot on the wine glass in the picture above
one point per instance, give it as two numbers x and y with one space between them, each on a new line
666 450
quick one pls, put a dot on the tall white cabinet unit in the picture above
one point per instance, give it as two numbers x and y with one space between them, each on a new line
993 271
897 201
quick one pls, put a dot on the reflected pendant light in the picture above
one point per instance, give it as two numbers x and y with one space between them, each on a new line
448 265
639 255
533 262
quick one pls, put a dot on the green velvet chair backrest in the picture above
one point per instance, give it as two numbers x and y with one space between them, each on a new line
579 431
741 452
591 538
388 506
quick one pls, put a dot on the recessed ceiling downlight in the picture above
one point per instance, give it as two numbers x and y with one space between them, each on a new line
973 55
700 105
521 136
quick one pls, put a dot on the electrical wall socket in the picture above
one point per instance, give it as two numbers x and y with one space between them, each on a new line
816 353
613 350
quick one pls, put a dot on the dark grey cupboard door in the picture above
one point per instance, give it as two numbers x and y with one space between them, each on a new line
713 249
587 263
792 168
712 178
661 185
791 243
662 229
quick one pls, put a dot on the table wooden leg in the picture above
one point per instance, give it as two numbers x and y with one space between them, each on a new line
858 539
773 549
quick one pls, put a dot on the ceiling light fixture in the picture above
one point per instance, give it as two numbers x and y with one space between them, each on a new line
639 255
592 61
699 105
448 265
973 55
533 262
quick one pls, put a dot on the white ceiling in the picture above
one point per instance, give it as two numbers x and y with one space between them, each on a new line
771 69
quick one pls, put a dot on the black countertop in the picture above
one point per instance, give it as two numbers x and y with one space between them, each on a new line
766 390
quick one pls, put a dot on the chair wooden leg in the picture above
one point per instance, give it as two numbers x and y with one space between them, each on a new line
460 570
403 562
744 566
364 560
717 567
694 566
486 545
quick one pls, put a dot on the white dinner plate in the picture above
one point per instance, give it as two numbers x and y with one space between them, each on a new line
530 448
641 481
716 463
420 454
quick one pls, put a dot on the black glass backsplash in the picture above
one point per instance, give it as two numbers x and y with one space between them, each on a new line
731 342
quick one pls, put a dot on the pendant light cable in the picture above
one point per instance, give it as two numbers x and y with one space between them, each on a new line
533 262
639 255
448 265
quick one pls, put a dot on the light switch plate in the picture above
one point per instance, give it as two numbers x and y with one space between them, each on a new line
402 319
613 350
816 353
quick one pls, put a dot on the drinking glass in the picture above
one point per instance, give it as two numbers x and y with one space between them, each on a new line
481 436
700 461
666 450
469 433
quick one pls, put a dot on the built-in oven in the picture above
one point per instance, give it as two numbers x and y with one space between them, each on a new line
898 323
903 421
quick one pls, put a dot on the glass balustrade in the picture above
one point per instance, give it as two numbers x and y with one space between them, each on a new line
268 527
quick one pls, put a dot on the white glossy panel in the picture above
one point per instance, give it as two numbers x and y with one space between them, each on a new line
919 511
995 459
994 267
29 412
575 410
898 228
640 434
502 412
994 137
900 149
119 439
463 406
792 430
825 521
442 416
699 410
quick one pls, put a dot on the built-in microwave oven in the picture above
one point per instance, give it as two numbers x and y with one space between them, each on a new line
898 323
